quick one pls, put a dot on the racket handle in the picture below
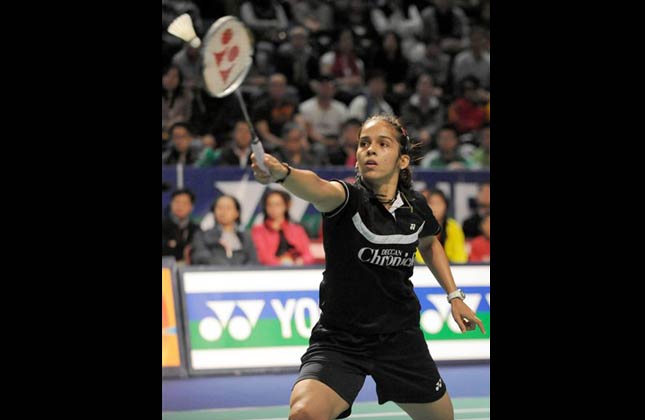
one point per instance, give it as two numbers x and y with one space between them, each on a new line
256 147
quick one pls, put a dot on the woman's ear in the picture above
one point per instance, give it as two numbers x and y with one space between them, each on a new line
404 161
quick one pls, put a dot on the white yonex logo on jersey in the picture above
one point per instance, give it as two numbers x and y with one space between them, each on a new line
385 257
412 226
438 385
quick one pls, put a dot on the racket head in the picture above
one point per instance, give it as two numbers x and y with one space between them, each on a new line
227 56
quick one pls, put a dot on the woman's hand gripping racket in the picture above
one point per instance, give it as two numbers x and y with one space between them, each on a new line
227 58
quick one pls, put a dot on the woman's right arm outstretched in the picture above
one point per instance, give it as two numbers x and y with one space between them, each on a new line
324 195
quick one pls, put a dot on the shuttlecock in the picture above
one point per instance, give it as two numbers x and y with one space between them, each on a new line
182 27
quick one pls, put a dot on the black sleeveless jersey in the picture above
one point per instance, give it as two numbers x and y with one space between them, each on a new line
369 252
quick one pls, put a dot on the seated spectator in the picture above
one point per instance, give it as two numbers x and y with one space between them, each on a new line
434 62
314 15
372 102
297 61
475 61
239 152
424 113
468 111
266 19
403 18
184 147
472 224
323 116
210 154
273 111
189 62
279 241
345 153
447 24
480 246
296 151
481 155
226 243
176 100
447 155
389 58
344 65
177 230
451 235
268 22
355 14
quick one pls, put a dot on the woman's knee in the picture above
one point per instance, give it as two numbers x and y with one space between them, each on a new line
300 410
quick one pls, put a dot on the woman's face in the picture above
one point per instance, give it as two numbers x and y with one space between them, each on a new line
485 225
346 42
377 155
181 206
390 43
438 206
242 135
170 80
276 207
293 142
225 211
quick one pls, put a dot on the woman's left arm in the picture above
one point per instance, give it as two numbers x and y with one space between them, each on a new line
436 260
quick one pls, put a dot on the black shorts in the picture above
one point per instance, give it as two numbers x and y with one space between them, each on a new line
399 362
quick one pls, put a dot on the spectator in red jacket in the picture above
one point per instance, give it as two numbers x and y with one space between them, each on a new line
468 111
278 241
480 246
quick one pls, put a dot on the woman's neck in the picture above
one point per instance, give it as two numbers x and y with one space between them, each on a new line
386 192
275 223
228 228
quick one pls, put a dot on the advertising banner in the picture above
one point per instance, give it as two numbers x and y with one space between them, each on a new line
255 320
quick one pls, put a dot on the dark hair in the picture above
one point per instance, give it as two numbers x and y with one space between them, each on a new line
468 80
183 191
326 78
444 222
180 86
396 37
440 193
449 127
351 121
292 126
285 196
183 124
237 206
407 147
374 74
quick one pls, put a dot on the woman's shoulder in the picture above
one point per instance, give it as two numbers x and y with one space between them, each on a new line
259 228
416 199
294 226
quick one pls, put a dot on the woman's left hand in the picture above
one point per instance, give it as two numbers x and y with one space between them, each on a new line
465 317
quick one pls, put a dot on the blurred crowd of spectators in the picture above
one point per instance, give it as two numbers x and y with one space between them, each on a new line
321 68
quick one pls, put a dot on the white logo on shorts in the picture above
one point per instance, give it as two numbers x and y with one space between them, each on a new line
436 388
412 226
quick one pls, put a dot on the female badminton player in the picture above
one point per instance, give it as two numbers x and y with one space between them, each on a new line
369 323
